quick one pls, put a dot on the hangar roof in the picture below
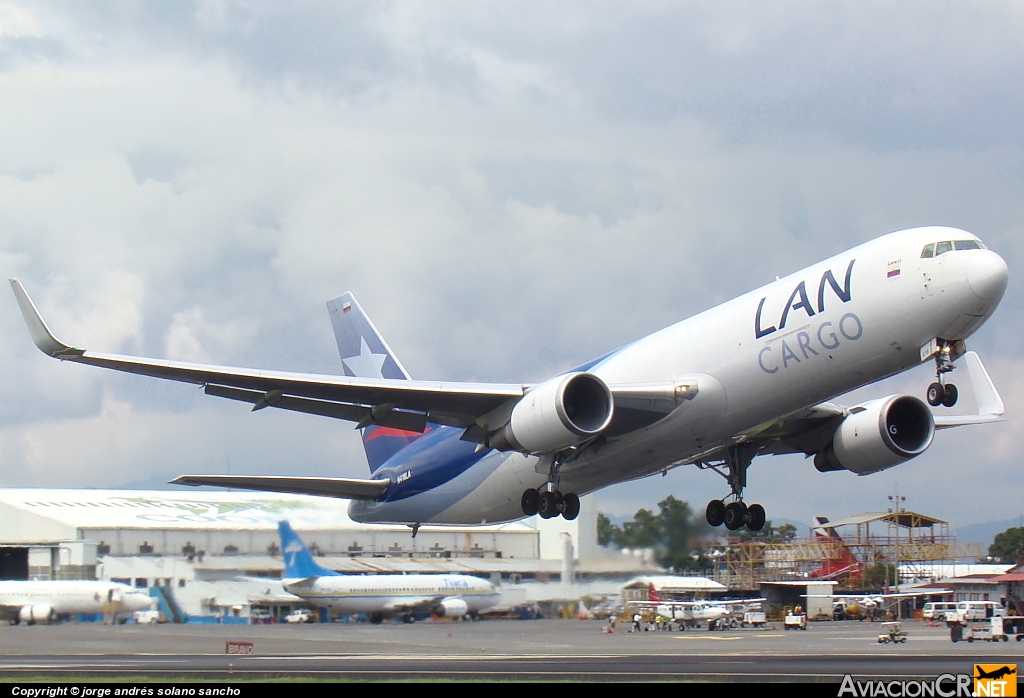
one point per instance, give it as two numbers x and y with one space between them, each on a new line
189 510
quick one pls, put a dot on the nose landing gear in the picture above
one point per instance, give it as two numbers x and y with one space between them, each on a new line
735 514
940 392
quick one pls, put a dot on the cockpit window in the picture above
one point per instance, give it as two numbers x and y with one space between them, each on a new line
943 247
928 251
968 245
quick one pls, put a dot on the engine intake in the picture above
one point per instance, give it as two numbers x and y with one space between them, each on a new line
556 414
878 435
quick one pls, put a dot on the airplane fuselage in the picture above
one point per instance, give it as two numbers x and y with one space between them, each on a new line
801 340
72 596
391 593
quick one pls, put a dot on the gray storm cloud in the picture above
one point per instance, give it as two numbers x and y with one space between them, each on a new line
509 189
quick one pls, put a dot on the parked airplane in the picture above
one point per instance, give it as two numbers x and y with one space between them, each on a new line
843 563
380 595
749 377
46 601
696 611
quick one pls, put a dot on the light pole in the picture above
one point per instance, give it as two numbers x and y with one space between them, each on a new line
897 509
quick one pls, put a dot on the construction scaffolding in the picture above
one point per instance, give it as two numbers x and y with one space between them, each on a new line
843 550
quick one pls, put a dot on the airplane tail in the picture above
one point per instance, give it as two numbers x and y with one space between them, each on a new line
846 564
298 562
652 594
365 354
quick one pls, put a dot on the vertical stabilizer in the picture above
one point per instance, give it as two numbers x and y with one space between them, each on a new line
365 354
298 562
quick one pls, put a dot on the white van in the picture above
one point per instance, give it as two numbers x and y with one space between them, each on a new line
977 610
938 610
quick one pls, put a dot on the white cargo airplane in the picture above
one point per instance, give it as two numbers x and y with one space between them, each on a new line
380 595
749 377
43 602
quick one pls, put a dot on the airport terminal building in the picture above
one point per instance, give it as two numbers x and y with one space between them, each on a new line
220 549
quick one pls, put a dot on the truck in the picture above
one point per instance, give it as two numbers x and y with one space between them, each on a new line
991 629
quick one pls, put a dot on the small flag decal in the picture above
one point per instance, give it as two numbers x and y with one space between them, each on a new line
347 307
893 269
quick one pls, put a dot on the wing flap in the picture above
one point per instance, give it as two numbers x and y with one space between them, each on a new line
343 488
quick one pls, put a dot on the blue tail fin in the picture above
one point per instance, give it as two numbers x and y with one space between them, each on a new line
298 563
365 354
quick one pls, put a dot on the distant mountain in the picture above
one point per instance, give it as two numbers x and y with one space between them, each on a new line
985 533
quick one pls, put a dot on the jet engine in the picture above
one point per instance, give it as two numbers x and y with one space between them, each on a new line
556 414
41 614
450 608
878 435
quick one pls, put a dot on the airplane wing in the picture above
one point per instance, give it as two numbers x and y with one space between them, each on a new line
810 430
343 488
402 404
415 604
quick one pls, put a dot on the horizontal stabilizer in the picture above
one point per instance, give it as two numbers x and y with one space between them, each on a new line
343 488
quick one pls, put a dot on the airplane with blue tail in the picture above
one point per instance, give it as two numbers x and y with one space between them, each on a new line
380 595
753 376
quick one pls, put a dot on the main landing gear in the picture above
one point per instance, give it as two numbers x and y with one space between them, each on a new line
548 501
735 514
551 503
940 392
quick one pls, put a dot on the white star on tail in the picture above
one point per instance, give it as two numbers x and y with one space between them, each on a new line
366 364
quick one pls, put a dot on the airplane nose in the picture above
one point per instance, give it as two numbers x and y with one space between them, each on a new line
987 274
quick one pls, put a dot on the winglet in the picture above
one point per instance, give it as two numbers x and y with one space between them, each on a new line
990 405
41 335
985 391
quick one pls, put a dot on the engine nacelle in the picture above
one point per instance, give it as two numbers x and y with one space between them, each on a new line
556 414
40 614
878 435
450 608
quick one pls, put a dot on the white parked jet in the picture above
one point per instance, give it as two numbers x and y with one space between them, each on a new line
46 601
749 377
380 595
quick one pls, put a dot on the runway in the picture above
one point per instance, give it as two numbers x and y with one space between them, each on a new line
504 650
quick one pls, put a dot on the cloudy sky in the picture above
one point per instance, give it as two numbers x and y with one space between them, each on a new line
509 188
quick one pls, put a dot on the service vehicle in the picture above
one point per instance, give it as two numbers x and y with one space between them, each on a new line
300 615
893 632
937 610
991 630
754 618
975 610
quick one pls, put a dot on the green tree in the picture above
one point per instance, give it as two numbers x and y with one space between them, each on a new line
1008 546
786 533
606 530
875 577
676 533
682 534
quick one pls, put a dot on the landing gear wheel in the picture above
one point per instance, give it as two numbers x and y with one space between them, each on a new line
735 515
755 517
936 394
570 507
547 505
715 512
531 498
950 394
